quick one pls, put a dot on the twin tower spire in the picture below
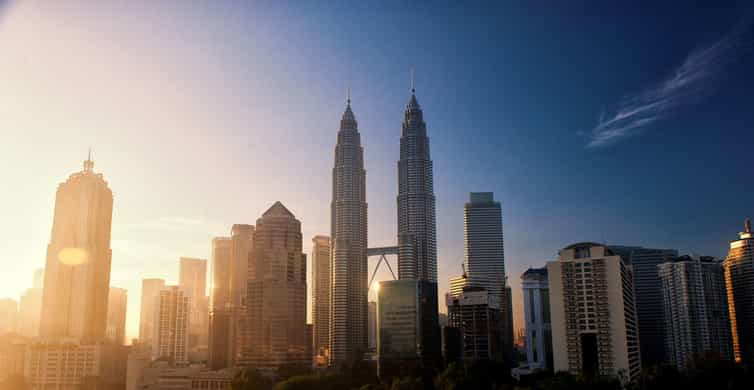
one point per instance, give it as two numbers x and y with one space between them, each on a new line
417 259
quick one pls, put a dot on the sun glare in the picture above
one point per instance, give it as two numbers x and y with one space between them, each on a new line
73 256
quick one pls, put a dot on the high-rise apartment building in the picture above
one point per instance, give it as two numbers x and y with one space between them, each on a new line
348 271
477 314
538 328
417 240
406 339
321 294
77 274
483 242
219 305
150 292
696 309
116 315
8 315
739 283
457 284
171 325
192 278
276 303
648 295
593 313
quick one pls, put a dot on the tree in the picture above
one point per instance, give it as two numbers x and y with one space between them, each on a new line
250 379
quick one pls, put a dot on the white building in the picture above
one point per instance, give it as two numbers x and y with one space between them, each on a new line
593 314
171 326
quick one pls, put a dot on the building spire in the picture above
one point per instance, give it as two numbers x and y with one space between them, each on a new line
89 164
747 225
348 96
412 81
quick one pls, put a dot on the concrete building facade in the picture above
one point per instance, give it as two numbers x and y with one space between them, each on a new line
594 328
77 272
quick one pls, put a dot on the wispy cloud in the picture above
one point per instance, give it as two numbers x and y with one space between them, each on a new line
692 81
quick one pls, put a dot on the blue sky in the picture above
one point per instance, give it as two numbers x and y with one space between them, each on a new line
628 123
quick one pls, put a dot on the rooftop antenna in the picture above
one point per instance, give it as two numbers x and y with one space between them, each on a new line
412 80
348 96
89 164
747 225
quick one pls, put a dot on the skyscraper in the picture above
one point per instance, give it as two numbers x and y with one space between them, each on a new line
276 303
242 244
219 305
696 309
417 242
321 294
8 315
739 282
536 291
171 325
648 293
192 277
348 280
77 274
30 306
116 315
593 313
483 242
150 292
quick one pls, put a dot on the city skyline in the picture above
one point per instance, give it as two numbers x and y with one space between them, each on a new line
197 202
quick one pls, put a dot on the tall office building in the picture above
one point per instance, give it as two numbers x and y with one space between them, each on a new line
536 291
77 274
242 244
116 315
483 242
171 325
150 292
648 295
739 283
276 303
593 313
696 309
29 307
8 315
348 271
407 339
219 304
39 278
321 294
477 314
192 277
417 242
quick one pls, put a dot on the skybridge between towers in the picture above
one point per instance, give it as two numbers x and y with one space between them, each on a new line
382 252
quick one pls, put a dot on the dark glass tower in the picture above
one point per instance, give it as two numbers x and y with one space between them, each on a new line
348 307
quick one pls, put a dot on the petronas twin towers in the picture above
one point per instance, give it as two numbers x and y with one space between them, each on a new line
417 259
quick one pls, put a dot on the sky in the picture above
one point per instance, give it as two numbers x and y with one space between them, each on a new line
620 122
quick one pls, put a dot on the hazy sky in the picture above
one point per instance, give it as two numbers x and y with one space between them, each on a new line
629 124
